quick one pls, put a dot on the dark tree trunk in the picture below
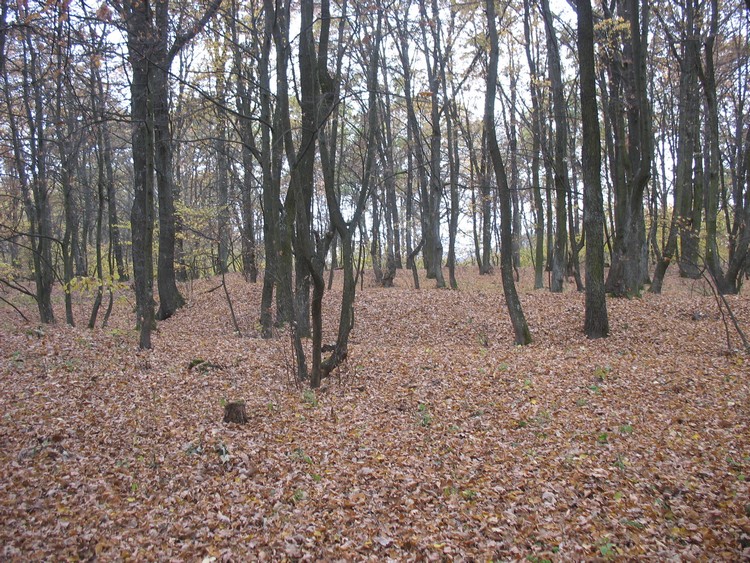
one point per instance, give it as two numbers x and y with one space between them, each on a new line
150 60
687 122
375 254
31 136
270 155
596 322
101 190
109 178
433 64
170 298
416 148
142 212
390 206
711 196
633 150
487 208
514 177
247 137
222 184
559 256
517 318
67 149
327 143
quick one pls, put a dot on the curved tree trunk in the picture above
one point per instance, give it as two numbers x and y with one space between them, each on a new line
517 318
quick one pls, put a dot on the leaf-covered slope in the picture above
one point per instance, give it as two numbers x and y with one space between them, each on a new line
439 438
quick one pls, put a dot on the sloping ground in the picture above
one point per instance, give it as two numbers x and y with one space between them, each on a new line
439 439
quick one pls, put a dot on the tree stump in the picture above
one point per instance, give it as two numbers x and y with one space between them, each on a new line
235 412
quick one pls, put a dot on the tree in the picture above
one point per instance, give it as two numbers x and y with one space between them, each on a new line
245 109
517 318
29 135
629 116
562 181
684 222
596 323
434 65
536 132
150 59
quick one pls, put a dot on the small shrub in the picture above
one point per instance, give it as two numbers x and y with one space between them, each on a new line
601 373
425 418
299 454
309 397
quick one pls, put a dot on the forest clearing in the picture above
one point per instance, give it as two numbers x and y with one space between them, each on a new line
436 439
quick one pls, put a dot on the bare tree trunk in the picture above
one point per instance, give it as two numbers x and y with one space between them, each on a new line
270 167
375 253
632 152
433 65
28 134
518 320
417 149
222 183
142 213
538 208
170 298
487 208
67 149
711 198
559 257
247 136
596 322
686 129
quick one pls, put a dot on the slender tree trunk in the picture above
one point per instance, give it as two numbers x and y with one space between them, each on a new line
686 129
711 196
271 186
222 184
632 153
375 254
518 320
101 190
28 134
67 151
559 257
417 150
535 151
170 298
487 208
433 64
247 137
391 213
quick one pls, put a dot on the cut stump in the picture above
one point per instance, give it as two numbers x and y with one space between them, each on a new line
235 412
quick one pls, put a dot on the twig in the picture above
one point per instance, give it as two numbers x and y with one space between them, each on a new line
722 302
231 308
14 307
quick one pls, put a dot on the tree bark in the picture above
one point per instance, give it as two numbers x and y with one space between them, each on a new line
596 322
535 160
687 122
559 256
632 152
518 320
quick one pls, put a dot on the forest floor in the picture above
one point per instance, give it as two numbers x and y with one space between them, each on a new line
439 439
